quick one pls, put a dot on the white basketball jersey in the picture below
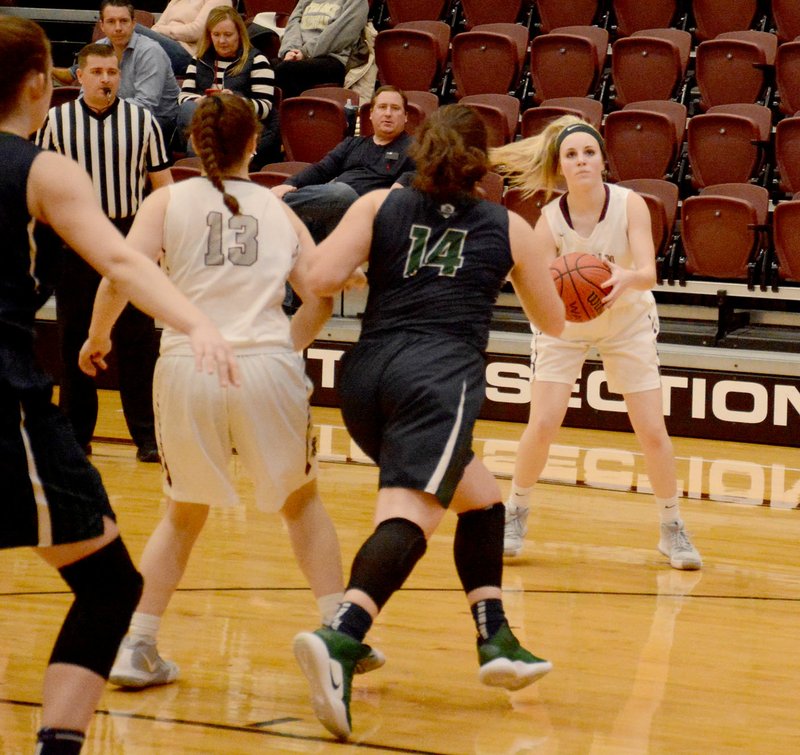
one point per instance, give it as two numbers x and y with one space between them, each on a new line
608 240
233 267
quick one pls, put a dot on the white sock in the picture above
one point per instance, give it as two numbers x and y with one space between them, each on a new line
669 509
519 497
328 605
144 627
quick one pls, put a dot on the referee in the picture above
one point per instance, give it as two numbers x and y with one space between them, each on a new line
120 145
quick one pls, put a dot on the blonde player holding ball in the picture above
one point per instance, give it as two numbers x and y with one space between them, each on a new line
612 223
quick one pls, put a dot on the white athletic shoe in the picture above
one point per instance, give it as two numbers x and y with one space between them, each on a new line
138 665
516 529
676 545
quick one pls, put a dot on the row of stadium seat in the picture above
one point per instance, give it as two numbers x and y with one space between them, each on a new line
646 139
738 66
706 18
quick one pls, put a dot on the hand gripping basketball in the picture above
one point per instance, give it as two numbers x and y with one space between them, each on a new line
579 277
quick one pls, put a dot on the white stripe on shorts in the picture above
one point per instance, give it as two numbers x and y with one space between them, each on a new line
447 455
42 507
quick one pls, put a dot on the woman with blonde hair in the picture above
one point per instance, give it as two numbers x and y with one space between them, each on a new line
226 61
230 245
179 28
612 223
411 390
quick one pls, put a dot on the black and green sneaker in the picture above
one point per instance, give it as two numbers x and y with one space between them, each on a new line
328 659
505 663
371 659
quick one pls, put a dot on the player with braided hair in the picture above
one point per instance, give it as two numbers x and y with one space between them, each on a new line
230 245
209 141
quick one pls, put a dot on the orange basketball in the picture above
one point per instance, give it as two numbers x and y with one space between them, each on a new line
578 277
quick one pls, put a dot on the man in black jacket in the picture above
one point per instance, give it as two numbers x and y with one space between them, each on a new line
321 193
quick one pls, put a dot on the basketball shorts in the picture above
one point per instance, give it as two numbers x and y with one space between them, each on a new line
52 493
410 402
266 419
625 338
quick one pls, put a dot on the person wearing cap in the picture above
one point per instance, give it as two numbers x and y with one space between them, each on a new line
612 223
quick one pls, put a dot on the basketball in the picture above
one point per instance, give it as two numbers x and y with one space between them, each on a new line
578 277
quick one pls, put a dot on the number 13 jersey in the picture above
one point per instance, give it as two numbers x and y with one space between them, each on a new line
233 267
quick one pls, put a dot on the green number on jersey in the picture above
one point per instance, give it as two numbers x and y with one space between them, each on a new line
446 254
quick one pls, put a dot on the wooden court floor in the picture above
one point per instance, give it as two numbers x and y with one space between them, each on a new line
646 659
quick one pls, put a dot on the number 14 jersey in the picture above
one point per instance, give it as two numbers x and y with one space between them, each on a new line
436 267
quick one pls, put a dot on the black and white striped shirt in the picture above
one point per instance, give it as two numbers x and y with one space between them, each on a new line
256 82
117 148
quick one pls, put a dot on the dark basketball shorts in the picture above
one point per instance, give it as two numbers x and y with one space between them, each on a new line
52 494
410 402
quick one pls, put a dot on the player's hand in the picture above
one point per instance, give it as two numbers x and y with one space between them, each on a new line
356 281
92 355
620 280
282 189
212 353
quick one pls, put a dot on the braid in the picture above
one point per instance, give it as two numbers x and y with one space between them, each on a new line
207 136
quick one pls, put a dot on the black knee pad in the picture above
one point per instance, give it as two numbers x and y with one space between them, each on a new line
107 588
478 547
386 558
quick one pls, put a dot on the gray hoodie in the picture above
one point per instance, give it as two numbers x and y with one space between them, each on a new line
325 27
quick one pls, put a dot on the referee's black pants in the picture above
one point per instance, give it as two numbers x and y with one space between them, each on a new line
135 346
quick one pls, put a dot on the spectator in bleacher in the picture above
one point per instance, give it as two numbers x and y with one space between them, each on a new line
321 193
179 29
121 147
146 77
227 62
322 40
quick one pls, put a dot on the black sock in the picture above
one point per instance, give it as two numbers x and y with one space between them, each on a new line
59 742
353 620
489 617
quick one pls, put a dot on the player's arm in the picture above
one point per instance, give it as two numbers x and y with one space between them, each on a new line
640 240
532 251
336 260
60 194
315 310
159 178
